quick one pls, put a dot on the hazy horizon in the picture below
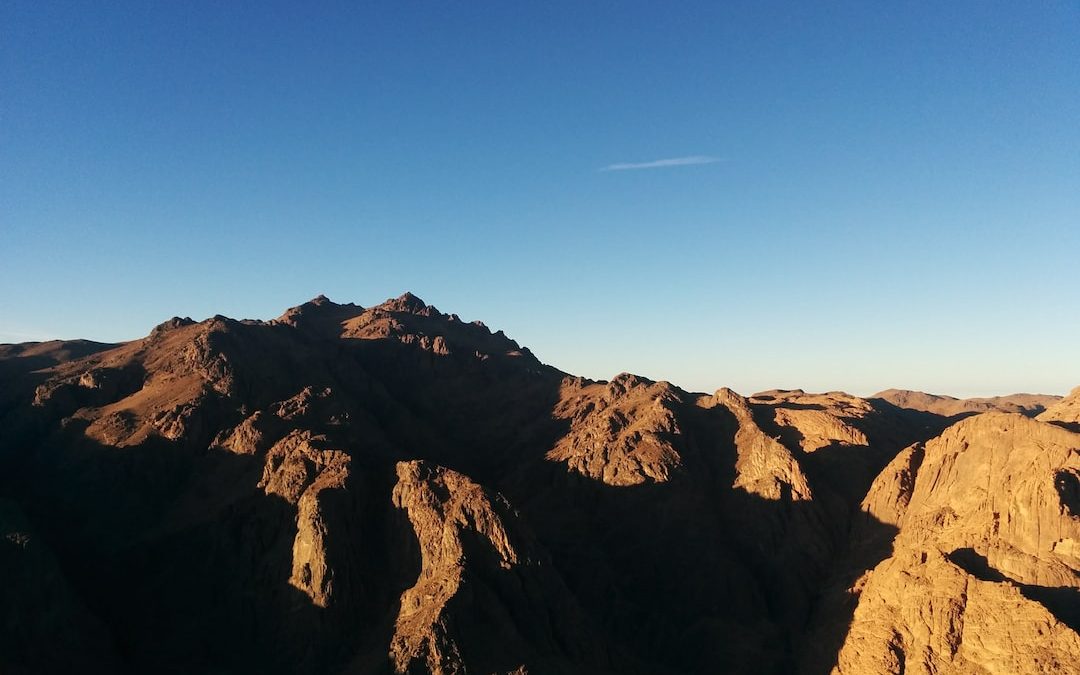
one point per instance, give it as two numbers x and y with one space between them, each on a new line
583 369
752 195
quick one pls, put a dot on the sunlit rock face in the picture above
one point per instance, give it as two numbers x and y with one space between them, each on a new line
1065 413
984 575
393 489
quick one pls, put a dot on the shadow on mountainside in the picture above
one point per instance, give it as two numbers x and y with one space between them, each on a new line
184 562
694 575
870 542
1071 426
1061 601
204 587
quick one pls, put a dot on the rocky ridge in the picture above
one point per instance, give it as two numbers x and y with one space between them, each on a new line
393 489
948 406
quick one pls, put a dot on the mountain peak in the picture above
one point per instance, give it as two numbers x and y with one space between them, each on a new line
319 312
407 302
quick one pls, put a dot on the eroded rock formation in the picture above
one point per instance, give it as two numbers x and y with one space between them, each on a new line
984 575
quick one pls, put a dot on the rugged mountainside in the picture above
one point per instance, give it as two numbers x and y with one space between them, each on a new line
1065 413
393 489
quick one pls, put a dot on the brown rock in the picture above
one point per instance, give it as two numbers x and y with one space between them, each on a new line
1029 405
621 433
984 576
1065 412
394 489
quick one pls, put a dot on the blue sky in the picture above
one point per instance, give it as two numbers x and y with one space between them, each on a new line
844 195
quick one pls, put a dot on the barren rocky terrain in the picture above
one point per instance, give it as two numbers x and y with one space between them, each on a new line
393 489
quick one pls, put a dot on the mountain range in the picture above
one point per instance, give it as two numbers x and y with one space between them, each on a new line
395 490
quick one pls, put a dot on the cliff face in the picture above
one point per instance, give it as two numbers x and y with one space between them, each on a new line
393 489
984 575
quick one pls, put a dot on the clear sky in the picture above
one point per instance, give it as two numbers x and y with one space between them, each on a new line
842 195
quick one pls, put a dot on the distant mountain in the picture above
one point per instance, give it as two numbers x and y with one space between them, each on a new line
392 489
1029 405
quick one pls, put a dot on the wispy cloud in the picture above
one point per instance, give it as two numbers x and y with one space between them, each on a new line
662 163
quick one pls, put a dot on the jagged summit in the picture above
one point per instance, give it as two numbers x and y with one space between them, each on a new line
171 324
320 314
407 302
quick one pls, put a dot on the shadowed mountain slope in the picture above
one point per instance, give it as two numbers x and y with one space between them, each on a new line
392 489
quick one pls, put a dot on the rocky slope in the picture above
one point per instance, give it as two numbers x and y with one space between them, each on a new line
393 489
984 575
1065 413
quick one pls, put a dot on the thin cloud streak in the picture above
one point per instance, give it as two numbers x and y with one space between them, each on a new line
662 163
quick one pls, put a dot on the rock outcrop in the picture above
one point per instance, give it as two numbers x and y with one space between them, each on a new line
1065 413
623 432
984 575
487 597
